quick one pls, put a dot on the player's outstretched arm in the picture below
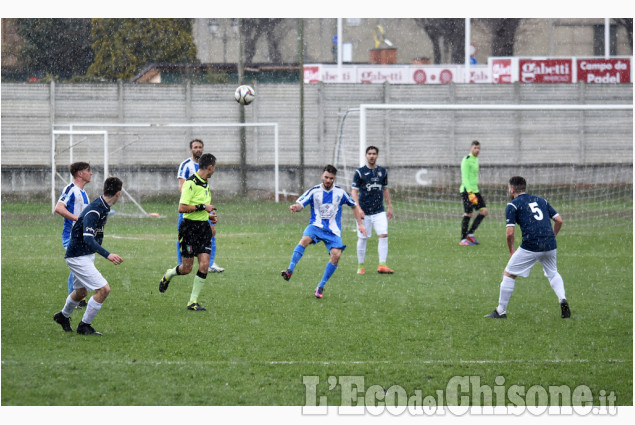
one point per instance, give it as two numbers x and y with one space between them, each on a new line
297 207
115 259
510 239
60 208
359 214
389 212
557 224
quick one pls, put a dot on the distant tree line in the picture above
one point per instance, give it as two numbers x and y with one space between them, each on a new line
112 49
102 49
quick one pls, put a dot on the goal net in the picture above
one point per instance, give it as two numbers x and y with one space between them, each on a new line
146 157
578 157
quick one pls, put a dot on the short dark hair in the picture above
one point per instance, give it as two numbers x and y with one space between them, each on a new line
196 140
76 167
519 184
206 160
112 185
475 143
372 147
330 169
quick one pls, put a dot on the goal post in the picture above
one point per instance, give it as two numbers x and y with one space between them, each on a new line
577 155
71 133
123 145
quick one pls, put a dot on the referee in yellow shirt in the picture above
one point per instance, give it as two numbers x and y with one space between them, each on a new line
195 233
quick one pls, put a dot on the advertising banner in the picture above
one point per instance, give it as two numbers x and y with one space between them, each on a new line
546 70
502 70
594 70
394 74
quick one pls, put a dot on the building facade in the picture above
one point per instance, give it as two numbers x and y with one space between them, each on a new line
217 40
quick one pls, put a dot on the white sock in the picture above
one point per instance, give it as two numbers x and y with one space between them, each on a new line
382 249
91 311
507 287
69 307
361 250
558 285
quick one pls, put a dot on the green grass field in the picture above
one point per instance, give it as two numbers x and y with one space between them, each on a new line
417 328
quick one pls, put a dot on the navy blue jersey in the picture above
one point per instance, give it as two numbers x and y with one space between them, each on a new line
88 232
533 214
371 184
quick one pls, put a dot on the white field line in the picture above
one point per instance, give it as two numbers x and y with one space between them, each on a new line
334 362
170 237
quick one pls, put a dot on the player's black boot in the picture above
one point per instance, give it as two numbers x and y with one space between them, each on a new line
65 322
495 315
196 307
286 274
564 309
86 329
163 284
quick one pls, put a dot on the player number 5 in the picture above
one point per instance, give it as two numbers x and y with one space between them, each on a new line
535 209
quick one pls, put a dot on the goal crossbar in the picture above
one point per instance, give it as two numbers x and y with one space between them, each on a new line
363 108
72 130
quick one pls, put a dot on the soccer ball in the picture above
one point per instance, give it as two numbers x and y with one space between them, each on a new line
244 95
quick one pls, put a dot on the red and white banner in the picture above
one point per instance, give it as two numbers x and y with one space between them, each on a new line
499 70
595 70
502 70
546 70
394 74
561 70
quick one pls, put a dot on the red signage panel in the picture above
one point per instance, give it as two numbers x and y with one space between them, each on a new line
545 70
501 70
604 70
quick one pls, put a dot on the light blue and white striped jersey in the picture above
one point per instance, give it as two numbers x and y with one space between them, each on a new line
187 169
75 200
326 207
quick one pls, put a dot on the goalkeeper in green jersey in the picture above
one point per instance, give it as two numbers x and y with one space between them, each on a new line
472 199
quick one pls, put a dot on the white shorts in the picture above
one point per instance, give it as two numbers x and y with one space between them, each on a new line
378 221
522 261
85 274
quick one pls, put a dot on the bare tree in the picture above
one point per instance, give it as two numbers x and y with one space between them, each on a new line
447 35
627 23
253 29
503 34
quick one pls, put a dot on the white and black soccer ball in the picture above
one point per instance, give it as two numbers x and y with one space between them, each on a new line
245 95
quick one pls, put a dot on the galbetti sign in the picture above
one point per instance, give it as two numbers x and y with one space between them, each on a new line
604 70
546 70
588 70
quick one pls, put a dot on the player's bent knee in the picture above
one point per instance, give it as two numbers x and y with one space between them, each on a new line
483 211
79 294
335 255
102 293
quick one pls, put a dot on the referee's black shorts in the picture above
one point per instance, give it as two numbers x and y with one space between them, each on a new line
468 207
195 237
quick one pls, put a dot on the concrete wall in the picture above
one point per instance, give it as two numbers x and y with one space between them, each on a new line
147 157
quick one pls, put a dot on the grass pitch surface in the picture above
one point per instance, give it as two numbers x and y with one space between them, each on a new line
260 336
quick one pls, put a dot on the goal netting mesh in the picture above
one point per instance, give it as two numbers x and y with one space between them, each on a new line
140 153
579 158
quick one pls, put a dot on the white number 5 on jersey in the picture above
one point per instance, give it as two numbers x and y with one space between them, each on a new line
535 209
